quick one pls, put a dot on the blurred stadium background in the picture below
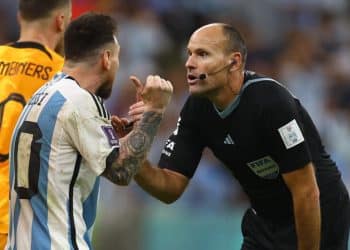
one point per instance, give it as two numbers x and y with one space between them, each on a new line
303 43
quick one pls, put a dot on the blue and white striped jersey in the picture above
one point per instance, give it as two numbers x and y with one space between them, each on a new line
62 143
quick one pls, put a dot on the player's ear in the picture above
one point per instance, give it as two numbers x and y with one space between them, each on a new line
106 59
60 22
19 17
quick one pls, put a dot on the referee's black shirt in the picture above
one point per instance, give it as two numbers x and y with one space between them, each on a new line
264 133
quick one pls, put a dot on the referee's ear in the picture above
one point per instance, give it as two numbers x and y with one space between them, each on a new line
236 61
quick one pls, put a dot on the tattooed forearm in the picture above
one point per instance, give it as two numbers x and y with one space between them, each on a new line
133 149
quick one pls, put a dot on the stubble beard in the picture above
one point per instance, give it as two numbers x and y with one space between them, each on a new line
105 90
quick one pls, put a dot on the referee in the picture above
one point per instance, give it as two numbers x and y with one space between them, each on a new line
263 134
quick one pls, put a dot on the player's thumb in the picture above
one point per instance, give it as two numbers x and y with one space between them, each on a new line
138 85
136 81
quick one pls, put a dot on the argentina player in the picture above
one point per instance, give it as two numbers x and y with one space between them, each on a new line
64 141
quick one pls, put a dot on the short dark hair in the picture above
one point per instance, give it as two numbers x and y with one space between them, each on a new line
235 41
86 34
36 9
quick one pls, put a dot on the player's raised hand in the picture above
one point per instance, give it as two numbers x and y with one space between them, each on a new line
138 86
156 93
136 110
157 88
123 125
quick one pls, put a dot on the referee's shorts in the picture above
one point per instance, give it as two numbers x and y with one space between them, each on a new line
261 234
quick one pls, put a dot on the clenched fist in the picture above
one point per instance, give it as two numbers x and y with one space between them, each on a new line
155 94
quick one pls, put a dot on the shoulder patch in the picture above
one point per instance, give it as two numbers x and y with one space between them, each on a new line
291 134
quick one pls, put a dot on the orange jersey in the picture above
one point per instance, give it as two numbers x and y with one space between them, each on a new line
24 67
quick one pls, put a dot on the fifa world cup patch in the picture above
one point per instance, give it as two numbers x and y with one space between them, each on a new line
111 135
265 167
291 134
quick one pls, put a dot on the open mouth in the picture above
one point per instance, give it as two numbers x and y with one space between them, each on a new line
192 79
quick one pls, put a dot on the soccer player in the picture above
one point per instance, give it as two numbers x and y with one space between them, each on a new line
262 133
25 66
64 141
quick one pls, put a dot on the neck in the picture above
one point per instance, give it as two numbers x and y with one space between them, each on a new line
227 93
84 74
37 32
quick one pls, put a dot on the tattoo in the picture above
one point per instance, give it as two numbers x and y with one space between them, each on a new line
133 149
137 142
